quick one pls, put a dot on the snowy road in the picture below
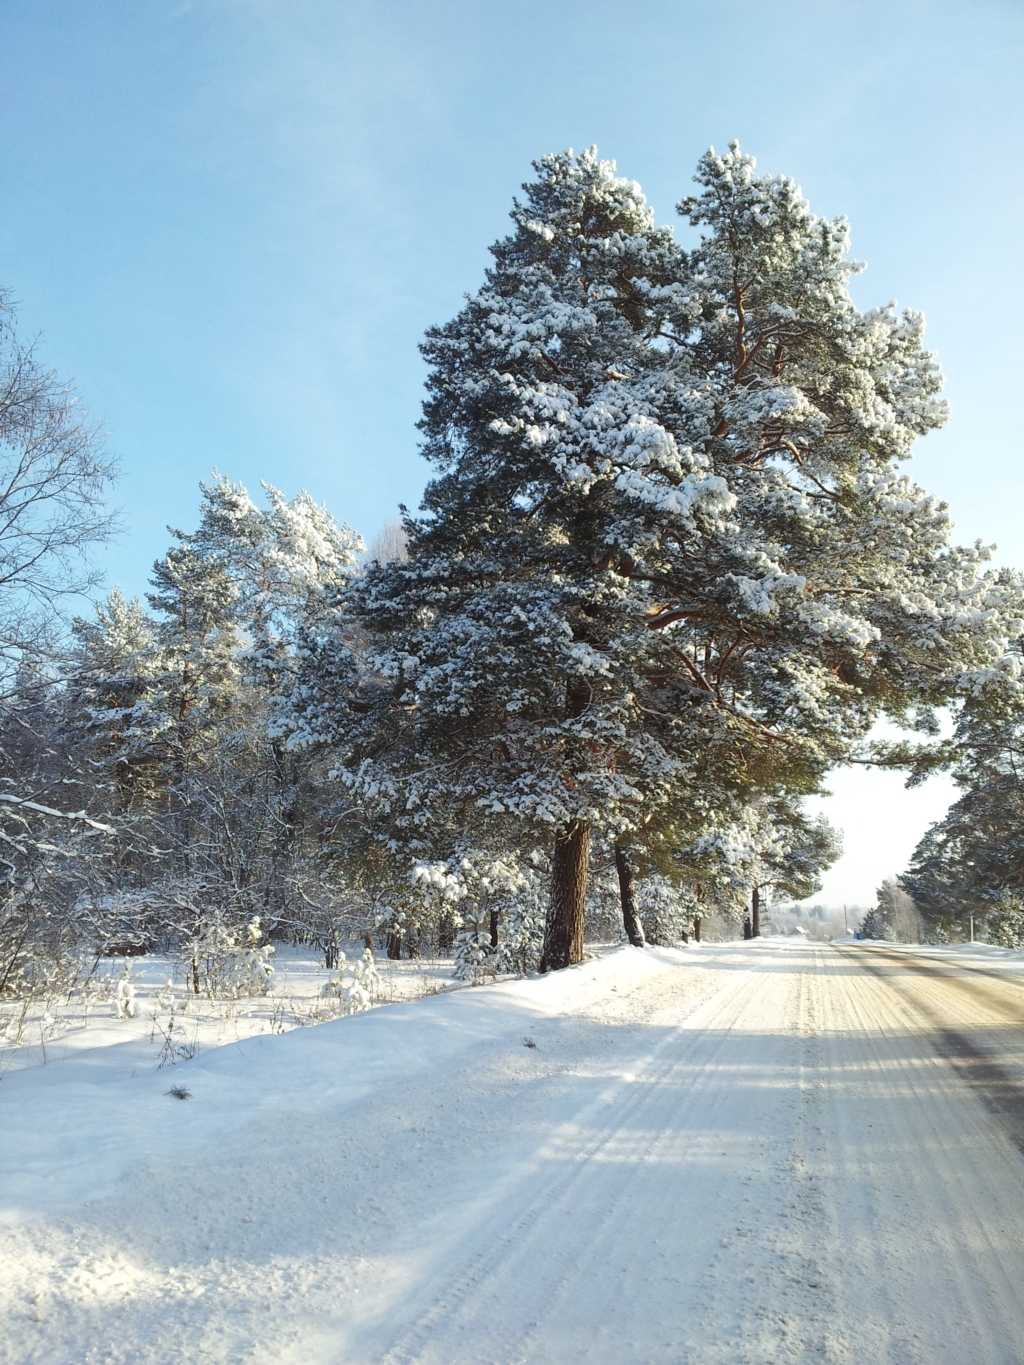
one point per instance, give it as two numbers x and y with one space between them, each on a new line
754 1153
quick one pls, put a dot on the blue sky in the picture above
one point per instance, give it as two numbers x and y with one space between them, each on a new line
231 220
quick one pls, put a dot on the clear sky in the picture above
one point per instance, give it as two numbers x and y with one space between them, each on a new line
231 221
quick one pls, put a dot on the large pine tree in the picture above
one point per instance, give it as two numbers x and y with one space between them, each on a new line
667 534
506 659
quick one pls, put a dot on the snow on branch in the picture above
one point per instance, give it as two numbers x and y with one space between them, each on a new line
78 816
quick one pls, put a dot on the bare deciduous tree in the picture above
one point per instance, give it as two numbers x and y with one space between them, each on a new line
54 479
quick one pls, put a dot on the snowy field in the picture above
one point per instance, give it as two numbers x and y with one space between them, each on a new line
728 1153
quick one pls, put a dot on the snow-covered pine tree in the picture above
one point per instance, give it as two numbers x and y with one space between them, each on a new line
182 707
108 704
667 909
771 844
667 532
940 876
196 686
285 561
973 858
505 656
111 728
831 592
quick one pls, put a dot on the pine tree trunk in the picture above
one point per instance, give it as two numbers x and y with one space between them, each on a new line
570 866
494 924
755 913
697 921
627 895
563 932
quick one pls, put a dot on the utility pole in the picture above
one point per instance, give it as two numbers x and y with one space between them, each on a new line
846 920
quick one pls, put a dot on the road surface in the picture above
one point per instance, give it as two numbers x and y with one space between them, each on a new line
773 1153
820 1162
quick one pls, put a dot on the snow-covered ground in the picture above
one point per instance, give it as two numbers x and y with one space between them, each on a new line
760 1152
169 1023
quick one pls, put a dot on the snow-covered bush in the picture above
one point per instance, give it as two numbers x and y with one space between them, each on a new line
168 1018
124 995
368 978
522 936
939 930
227 962
355 986
475 957
34 969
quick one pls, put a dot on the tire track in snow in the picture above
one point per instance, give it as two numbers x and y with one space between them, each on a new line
771 1266
792 1316
501 1243
702 1094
